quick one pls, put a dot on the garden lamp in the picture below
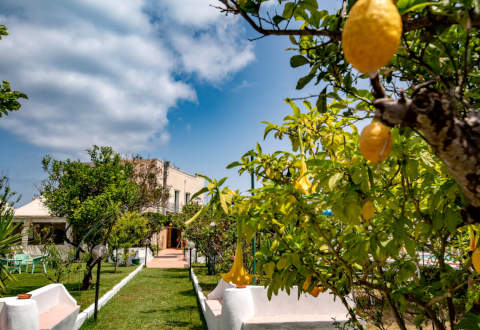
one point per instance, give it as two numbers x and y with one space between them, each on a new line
99 252
191 246
147 243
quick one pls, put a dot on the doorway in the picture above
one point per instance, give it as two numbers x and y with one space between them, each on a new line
174 238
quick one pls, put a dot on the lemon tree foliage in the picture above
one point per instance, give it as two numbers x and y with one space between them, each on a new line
129 231
425 194
91 196
385 216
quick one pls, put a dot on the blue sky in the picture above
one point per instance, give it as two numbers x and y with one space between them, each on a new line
173 80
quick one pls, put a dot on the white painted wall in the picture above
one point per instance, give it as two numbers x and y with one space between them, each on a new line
249 308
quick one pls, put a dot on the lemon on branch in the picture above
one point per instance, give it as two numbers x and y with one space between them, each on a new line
371 34
476 260
376 142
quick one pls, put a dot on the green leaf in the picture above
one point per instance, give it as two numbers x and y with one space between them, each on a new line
277 19
269 268
298 60
296 110
234 164
282 263
288 10
468 322
198 214
198 193
333 181
452 219
322 101
406 6
223 203
412 168
304 80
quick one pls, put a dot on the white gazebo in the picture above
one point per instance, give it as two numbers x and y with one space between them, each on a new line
36 213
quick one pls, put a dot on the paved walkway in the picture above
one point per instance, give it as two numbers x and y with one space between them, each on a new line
168 258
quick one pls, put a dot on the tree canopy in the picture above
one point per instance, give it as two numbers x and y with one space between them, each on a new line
399 232
90 195
8 97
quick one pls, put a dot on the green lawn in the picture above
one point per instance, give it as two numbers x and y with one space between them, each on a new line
153 299
26 282
207 282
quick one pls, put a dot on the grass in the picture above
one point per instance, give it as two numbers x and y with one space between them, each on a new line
207 282
154 299
26 282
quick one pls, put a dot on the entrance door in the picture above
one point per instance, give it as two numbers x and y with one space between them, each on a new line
174 238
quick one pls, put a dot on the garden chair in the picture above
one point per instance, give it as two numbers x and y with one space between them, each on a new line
16 265
38 261
24 260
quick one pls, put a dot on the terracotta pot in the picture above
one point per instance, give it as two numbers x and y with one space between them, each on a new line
241 286
24 296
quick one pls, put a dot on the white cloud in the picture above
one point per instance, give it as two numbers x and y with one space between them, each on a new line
213 55
198 13
210 44
101 72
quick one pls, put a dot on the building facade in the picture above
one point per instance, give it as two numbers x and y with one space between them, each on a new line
179 185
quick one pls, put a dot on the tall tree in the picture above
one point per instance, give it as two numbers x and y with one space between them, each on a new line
130 230
8 98
423 197
90 195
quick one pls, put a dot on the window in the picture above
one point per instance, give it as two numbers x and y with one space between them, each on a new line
41 233
177 200
187 198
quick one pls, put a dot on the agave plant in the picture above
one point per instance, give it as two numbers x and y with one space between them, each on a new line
9 236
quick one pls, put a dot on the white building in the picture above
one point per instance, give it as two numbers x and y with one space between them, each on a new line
180 185
36 217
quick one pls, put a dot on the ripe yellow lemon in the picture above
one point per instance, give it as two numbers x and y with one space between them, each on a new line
368 210
376 142
316 291
476 260
371 34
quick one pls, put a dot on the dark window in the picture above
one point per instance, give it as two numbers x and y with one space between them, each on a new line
177 200
187 198
41 233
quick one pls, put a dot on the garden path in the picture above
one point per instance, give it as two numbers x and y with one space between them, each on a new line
168 258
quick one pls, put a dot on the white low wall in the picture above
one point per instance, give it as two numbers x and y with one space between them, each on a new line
50 307
88 312
198 290
249 308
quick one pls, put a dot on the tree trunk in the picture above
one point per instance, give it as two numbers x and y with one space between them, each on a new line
454 140
88 274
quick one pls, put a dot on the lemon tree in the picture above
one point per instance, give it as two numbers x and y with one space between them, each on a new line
413 66
385 217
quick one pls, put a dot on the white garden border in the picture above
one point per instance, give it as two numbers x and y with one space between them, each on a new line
198 290
88 312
